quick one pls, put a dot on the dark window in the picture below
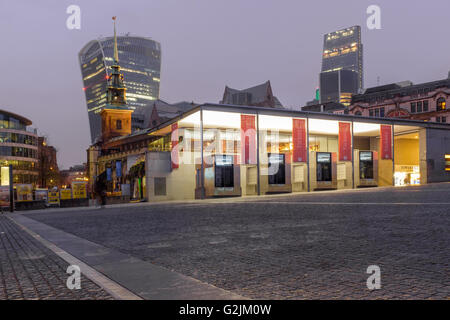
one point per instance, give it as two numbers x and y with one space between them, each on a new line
377 112
224 171
371 112
444 119
425 106
382 112
358 113
438 119
419 106
324 166
441 104
277 170
413 107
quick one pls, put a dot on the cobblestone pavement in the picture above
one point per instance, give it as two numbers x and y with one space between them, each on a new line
305 246
28 270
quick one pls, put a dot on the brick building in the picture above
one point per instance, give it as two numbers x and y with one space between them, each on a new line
47 165
427 101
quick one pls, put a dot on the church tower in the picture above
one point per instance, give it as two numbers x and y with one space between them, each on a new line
116 116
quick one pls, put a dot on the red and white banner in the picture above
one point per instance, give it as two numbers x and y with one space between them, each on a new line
174 150
248 139
299 140
345 141
386 141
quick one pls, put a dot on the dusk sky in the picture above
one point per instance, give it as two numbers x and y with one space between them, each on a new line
206 44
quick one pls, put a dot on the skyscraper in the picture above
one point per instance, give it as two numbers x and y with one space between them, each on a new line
140 60
342 65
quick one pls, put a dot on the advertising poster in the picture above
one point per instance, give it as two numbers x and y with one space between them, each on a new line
248 139
386 142
79 190
4 196
41 194
24 192
174 151
65 194
299 140
345 141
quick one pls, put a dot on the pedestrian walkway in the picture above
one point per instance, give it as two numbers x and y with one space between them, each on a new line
29 270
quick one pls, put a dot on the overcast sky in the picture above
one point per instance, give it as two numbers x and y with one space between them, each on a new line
206 44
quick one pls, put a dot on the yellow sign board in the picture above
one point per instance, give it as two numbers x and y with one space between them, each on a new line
53 197
65 194
79 190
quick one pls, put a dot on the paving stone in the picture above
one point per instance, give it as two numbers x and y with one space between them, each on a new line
29 270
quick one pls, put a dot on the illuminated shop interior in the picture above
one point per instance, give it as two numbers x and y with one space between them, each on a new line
243 151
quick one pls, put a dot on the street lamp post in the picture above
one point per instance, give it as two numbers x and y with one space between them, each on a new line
11 189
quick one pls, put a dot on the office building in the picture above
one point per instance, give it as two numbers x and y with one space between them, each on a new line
140 60
19 148
342 66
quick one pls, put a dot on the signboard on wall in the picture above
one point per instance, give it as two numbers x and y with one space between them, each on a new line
79 190
299 140
174 150
24 192
345 141
248 139
386 141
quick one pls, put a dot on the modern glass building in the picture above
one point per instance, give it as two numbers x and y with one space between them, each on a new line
140 60
342 65
18 147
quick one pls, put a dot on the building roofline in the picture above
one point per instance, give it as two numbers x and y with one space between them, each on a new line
286 112
27 121
298 113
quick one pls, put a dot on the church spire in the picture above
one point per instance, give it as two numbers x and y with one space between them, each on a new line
116 89
116 52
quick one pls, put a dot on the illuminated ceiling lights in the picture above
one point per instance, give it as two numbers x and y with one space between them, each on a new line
275 123
219 119
319 126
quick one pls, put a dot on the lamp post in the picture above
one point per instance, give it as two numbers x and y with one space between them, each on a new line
11 189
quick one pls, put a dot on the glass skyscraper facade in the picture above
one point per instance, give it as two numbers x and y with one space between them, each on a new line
140 61
342 65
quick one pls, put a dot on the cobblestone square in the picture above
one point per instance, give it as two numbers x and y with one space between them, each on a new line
304 246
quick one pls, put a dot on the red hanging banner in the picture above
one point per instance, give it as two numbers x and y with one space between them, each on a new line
299 140
386 141
248 139
345 141
174 150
